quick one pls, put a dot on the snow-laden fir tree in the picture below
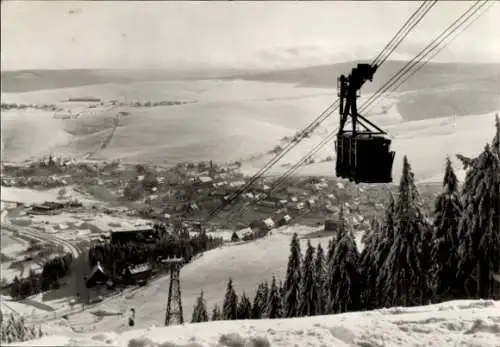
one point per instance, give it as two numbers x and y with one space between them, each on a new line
244 307
308 300
343 288
13 329
367 267
265 292
281 288
328 280
273 309
406 268
200 310
230 305
479 230
447 214
291 300
259 301
216 313
330 250
384 241
320 280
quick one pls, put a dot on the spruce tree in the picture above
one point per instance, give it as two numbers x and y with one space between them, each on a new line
230 305
343 279
308 300
274 308
328 278
367 268
259 302
293 280
447 214
216 314
244 307
281 288
330 250
406 268
265 293
384 242
200 310
479 230
320 280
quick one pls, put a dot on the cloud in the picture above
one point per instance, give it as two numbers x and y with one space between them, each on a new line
258 34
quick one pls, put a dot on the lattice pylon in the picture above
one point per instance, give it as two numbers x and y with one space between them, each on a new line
174 314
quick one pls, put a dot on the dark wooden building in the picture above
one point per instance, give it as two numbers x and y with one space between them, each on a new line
139 273
139 235
97 276
47 208
331 225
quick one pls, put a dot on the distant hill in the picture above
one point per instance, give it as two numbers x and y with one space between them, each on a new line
33 80
431 75
436 90
20 81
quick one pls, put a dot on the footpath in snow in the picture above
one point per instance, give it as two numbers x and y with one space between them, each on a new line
456 323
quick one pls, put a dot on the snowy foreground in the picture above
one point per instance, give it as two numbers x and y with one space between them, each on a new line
455 323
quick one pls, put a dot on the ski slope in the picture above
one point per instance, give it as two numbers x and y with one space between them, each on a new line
248 264
464 323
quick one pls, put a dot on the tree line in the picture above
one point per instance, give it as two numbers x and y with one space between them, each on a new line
117 257
53 270
409 258
13 329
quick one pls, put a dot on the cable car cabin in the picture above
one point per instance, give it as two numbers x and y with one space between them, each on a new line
366 157
362 155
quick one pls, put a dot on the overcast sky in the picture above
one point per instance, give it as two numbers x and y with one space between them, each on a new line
60 34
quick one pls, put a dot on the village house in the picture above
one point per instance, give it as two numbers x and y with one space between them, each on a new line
220 176
176 194
139 273
97 276
331 225
9 205
248 196
268 224
320 186
311 203
296 191
201 181
284 220
48 208
266 203
220 184
236 184
262 188
298 206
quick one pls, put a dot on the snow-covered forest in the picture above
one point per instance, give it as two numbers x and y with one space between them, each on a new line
410 257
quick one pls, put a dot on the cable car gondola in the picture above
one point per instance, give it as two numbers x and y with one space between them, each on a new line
363 155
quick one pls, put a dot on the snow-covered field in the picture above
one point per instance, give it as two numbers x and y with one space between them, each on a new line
12 249
36 196
230 120
465 323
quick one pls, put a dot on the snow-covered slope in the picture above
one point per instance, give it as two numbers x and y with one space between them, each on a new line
456 323
247 264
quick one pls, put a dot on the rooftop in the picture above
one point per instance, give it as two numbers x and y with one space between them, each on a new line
128 229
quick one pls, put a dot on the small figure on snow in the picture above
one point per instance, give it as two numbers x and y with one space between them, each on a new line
131 318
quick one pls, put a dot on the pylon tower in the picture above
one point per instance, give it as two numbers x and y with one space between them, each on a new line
174 314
